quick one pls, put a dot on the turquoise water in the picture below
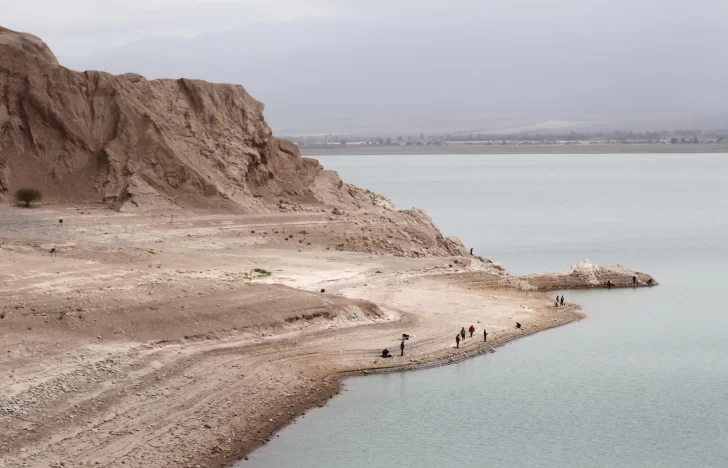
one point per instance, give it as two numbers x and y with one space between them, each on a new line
643 382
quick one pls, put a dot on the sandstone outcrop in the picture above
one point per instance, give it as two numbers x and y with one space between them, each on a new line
587 275
160 145
128 141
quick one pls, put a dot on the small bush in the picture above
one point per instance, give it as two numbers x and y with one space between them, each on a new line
262 272
28 196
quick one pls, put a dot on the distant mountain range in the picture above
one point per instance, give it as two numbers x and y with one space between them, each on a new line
384 77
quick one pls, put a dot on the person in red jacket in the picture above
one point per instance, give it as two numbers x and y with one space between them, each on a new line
457 341
471 330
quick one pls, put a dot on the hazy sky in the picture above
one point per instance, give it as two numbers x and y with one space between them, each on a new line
414 65
78 27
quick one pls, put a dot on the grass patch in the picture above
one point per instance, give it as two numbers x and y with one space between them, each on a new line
254 274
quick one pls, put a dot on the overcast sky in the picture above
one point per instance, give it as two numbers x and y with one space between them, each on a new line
414 65
79 27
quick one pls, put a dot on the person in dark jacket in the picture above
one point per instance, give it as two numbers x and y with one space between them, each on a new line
401 348
462 333
485 335
457 341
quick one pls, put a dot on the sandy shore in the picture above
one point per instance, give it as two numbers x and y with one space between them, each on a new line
617 148
153 342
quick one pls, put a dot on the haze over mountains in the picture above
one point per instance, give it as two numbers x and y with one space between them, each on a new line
623 70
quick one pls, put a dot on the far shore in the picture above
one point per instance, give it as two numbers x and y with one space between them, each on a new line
475 149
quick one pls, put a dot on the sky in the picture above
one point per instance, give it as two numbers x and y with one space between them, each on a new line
80 27
389 66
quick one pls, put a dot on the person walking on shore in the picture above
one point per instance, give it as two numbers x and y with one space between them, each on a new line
556 302
462 333
562 299
471 330
485 335
457 341
401 348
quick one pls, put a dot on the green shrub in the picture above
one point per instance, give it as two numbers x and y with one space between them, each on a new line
28 196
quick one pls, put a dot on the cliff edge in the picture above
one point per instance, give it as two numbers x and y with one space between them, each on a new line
123 139
158 145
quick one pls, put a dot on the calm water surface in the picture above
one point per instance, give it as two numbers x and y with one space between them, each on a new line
643 382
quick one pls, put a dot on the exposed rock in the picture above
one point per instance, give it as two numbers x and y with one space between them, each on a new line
128 141
163 145
586 275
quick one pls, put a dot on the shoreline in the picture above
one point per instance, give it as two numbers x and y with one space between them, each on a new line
169 350
337 381
494 149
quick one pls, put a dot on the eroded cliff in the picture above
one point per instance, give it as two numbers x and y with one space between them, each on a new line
137 144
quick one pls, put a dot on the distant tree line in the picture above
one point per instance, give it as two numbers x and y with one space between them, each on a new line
619 136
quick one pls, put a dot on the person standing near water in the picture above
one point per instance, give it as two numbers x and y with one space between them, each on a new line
401 348
457 341
471 330
462 333
556 302
562 299
485 335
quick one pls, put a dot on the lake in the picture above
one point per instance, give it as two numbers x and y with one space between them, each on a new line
642 382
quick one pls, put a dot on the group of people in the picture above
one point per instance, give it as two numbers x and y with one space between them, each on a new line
458 338
461 336
387 354
635 282
559 301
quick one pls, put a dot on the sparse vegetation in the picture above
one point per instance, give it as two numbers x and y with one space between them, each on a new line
254 274
2 315
28 196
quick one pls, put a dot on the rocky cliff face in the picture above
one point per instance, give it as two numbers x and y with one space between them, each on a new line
136 144
129 141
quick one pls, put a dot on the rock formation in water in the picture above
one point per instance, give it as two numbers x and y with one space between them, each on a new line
586 275
137 144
